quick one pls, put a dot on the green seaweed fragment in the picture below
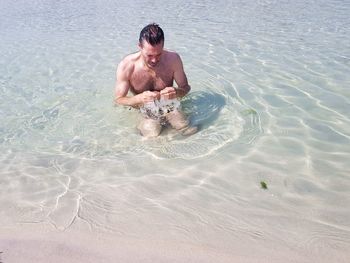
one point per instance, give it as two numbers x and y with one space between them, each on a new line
263 185
249 112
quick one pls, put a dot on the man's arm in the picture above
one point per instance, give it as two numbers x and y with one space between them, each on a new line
122 87
180 78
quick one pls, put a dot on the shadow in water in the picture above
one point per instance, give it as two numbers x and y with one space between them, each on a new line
203 107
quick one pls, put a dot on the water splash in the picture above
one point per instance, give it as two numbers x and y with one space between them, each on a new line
157 109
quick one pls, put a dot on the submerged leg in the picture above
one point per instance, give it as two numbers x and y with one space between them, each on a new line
149 127
179 122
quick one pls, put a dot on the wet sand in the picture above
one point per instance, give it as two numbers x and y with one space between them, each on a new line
39 245
33 246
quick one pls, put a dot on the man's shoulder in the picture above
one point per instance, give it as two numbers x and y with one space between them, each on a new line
172 54
131 58
127 64
173 59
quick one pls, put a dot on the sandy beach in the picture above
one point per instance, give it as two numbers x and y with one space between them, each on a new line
28 246
41 244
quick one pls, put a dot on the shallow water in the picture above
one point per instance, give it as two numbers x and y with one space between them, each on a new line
269 91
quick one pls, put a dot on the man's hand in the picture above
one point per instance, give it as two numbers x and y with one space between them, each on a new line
148 96
168 93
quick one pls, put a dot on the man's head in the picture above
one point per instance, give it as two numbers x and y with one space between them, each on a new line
151 43
152 34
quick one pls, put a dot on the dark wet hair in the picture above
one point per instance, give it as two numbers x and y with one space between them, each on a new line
152 34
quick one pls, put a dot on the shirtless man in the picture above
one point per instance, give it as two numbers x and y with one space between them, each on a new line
149 75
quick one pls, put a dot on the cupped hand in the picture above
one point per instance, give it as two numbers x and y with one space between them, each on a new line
168 93
148 96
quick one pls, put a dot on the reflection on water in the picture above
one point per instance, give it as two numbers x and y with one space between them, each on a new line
203 107
218 124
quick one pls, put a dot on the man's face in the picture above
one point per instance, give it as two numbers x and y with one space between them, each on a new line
151 54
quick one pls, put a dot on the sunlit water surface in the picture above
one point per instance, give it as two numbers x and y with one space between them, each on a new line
270 93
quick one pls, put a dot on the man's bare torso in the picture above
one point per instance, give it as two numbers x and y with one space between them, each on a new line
142 78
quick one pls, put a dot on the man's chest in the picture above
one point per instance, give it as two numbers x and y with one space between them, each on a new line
142 80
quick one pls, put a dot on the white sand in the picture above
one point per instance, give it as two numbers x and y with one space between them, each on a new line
40 243
35 246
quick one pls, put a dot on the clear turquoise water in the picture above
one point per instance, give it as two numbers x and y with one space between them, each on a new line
270 91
